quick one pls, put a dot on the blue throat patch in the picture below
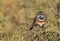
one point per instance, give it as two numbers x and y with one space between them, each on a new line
41 17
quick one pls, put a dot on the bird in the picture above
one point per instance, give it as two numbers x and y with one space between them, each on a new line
39 19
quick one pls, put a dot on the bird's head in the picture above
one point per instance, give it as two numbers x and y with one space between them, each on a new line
40 16
39 13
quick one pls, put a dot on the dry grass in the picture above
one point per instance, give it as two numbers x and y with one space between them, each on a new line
15 20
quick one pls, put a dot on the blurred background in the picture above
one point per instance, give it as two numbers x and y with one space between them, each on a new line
16 17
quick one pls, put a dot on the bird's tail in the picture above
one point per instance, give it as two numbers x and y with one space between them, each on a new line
31 28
